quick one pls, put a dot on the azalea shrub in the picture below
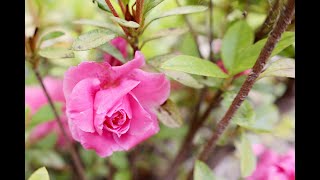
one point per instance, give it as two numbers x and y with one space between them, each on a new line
160 89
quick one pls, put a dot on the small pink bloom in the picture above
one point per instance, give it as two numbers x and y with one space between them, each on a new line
121 44
111 108
35 99
221 65
272 165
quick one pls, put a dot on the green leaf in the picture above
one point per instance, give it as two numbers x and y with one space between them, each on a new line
149 5
280 68
179 11
169 114
123 175
245 115
48 142
47 157
44 114
237 37
113 51
248 56
40 174
56 53
247 157
183 78
119 160
202 172
102 5
92 39
51 35
130 24
110 26
266 117
165 33
194 65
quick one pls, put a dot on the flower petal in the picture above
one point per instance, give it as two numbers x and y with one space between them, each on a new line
104 145
153 90
126 68
106 99
84 70
80 104
143 125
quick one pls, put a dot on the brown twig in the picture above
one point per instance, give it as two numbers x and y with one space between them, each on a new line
267 24
139 8
75 157
114 12
210 32
123 9
264 55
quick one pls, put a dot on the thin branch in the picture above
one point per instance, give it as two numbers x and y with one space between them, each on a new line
267 24
265 53
210 32
139 8
74 154
123 9
114 12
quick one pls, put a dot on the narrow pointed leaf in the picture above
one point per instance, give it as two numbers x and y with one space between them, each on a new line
92 39
130 24
193 65
56 53
280 68
40 174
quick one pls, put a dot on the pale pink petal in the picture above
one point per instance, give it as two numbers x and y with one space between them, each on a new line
127 68
42 130
258 149
103 144
35 97
84 70
121 44
153 90
80 104
143 125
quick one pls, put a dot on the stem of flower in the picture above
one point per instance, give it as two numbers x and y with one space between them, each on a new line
275 35
74 155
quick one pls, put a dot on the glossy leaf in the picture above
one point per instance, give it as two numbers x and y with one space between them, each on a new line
280 68
56 53
202 171
92 39
130 24
179 11
237 37
183 78
102 5
108 48
40 174
194 65
169 114
110 26
248 56
51 35
149 5
247 157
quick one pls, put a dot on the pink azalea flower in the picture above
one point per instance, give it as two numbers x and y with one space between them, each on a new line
35 99
221 65
121 45
273 166
111 108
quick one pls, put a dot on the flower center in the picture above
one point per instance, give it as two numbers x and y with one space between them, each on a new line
118 123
